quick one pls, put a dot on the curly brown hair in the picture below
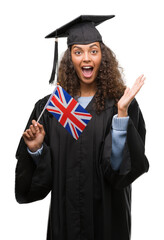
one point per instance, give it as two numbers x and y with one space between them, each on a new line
110 84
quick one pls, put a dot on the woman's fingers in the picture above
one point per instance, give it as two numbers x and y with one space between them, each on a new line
137 85
126 91
34 136
34 131
129 95
38 127
35 125
140 80
28 135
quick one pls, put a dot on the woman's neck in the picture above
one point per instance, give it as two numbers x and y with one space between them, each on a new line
87 91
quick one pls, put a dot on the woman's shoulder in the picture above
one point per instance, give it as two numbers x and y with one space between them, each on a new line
110 102
42 102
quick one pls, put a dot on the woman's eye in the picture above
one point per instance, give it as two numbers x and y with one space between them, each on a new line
94 51
77 52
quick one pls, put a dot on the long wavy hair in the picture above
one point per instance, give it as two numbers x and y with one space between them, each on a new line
109 81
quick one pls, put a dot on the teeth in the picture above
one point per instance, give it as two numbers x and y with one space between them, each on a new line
87 67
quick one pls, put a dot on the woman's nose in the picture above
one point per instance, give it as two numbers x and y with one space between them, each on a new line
86 57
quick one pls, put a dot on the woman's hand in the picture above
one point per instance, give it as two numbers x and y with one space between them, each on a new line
34 136
128 96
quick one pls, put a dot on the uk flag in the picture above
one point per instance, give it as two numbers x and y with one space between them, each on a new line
68 112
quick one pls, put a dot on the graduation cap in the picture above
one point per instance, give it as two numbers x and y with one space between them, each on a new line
82 30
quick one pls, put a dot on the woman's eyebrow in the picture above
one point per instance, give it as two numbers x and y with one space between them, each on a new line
93 45
77 47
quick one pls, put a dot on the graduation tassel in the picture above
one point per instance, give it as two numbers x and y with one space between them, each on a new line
55 63
53 74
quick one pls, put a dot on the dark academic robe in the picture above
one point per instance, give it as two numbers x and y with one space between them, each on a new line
89 200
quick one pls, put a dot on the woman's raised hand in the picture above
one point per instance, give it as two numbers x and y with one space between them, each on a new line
128 96
34 136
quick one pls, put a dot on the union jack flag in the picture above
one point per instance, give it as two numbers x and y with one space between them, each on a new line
68 112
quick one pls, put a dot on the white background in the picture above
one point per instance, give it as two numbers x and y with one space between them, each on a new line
136 37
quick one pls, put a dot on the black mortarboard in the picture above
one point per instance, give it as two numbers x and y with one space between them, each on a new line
79 31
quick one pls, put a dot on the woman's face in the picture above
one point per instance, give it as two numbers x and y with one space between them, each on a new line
86 60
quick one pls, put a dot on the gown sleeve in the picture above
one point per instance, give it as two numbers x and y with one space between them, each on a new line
118 132
134 162
33 181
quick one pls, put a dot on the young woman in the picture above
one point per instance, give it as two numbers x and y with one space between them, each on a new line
89 178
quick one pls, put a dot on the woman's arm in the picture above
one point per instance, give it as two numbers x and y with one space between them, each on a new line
33 181
119 132
134 162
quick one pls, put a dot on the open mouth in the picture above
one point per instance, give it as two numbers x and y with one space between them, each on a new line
87 71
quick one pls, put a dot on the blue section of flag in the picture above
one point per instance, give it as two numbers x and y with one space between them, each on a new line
56 93
85 121
78 132
81 109
56 115
68 128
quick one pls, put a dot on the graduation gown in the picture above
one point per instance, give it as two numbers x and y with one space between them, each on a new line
89 200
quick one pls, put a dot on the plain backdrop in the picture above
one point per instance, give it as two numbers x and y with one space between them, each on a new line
136 37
